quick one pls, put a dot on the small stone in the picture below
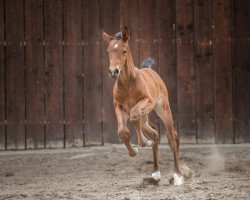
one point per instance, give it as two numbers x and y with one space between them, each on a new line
24 195
8 174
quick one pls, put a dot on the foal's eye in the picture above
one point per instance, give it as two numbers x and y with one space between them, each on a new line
124 52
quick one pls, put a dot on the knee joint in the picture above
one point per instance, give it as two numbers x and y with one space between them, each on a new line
123 133
134 120
135 116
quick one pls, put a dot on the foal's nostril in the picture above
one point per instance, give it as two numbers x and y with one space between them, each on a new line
116 71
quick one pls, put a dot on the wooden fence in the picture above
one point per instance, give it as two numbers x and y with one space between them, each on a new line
54 86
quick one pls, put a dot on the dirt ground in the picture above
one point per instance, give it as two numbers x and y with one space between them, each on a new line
107 172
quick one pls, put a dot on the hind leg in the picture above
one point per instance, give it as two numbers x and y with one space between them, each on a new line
164 112
153 135
123 131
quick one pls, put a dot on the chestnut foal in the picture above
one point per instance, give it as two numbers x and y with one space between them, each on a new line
136 93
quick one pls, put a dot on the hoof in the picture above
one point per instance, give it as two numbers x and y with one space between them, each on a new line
156 175
178 180
135 151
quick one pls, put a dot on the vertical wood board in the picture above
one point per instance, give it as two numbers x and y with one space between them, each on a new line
204 70
186 71
15 74
34 74
93 132
2 78
54 74
223 72
241 81
73 62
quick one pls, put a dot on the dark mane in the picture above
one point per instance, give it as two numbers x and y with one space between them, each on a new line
118 35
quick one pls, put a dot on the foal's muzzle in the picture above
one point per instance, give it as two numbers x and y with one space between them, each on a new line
114 73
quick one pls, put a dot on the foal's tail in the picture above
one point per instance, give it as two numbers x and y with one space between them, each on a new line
148 63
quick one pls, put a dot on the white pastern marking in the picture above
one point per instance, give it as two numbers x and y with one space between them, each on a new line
178 180
149 143
156 175
116 46
136 149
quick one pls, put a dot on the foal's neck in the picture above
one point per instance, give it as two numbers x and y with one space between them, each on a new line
128 71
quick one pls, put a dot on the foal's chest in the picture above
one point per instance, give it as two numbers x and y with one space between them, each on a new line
128 99
128 104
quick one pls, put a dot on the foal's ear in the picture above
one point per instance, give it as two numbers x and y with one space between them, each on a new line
107 38
125 34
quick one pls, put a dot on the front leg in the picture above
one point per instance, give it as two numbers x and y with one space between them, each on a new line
123 131
142 108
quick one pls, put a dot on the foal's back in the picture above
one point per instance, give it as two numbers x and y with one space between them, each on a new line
156 86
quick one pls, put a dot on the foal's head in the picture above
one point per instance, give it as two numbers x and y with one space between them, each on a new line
117 50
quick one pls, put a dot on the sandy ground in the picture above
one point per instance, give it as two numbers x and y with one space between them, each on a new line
109 173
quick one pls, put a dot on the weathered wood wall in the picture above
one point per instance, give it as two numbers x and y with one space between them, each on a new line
54 86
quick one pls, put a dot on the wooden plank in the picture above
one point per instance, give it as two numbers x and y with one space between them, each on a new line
2 78
203 17
148 33
186 71
92 75
223 72
130 18
15 78
111 24
73 72
54 74
242 70
167 56
34 74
